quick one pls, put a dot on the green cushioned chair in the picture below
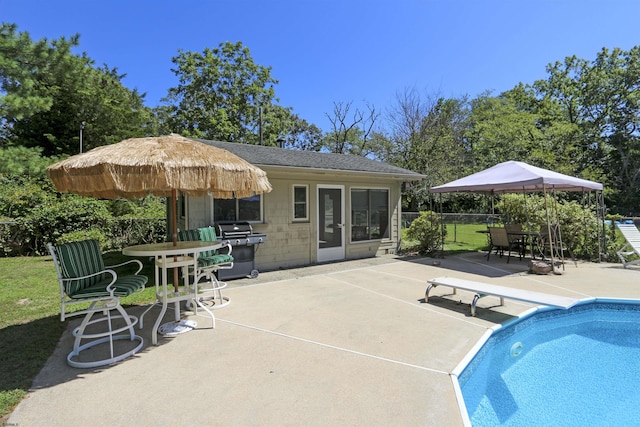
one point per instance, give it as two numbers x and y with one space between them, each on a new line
84 278
216 259
209 263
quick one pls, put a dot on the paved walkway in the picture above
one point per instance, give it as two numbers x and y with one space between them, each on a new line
349 343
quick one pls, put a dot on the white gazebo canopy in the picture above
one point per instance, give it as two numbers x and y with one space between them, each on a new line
520 177
515 177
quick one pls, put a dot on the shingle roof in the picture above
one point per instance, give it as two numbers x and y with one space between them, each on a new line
261 155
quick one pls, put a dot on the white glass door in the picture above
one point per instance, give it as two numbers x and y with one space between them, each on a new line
331 223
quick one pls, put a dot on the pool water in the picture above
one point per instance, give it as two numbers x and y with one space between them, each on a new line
571 367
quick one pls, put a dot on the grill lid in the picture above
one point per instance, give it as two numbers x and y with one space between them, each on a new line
233 229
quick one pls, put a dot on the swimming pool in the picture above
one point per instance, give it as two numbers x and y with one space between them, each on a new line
571 367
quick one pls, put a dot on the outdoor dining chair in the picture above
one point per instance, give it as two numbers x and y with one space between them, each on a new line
499 240
209 263
84 278
517 239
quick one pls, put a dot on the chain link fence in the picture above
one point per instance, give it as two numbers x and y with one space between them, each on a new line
452 220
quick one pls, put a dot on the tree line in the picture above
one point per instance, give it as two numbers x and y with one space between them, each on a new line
581 120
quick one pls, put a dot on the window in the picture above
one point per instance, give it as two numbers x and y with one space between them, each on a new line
369 214
300 202
182 207
245 209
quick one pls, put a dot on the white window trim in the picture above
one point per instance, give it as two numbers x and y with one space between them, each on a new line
383 239
293 203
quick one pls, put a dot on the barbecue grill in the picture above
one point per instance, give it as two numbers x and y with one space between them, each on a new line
244 243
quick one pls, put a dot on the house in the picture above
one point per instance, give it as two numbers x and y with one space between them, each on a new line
323 206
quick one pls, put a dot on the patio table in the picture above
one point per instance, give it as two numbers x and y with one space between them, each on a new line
529 239
169 255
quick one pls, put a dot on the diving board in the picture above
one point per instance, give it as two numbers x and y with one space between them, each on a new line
486 289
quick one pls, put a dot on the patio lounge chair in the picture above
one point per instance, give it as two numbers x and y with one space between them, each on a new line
632 247
208 264
83 278
499 240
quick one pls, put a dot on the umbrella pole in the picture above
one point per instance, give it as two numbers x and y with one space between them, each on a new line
174 235
174 216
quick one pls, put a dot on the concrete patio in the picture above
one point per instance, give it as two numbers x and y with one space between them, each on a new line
349 343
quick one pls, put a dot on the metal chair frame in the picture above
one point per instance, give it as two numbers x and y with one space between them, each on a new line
105 304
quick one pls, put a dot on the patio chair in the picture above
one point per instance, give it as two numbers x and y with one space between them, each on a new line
499 240
83 278
632 247
208 264
516 238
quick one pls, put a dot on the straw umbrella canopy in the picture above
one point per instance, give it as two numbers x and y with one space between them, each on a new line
161 166
138 167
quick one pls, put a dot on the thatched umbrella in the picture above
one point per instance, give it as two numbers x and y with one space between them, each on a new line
138 167
161 166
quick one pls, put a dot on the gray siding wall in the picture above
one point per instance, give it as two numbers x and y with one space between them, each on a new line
293 243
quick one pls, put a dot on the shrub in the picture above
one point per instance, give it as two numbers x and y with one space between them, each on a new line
428 232
49 221
34 214
75 236
132 231
527 210
579 225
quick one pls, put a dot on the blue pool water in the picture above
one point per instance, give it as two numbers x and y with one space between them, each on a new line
573 367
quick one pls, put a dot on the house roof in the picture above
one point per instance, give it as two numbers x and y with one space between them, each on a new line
261 155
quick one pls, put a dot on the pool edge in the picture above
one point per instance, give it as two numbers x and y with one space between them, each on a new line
455 373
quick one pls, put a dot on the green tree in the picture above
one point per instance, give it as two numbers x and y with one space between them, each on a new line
66 91
23 161
427 135
602 98
223 94
22 65
302 135
352 131
501 131
520 125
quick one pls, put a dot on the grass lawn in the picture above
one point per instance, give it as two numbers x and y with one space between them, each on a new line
466 238
30 325
460 238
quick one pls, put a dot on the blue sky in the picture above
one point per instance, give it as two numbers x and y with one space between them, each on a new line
327 51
